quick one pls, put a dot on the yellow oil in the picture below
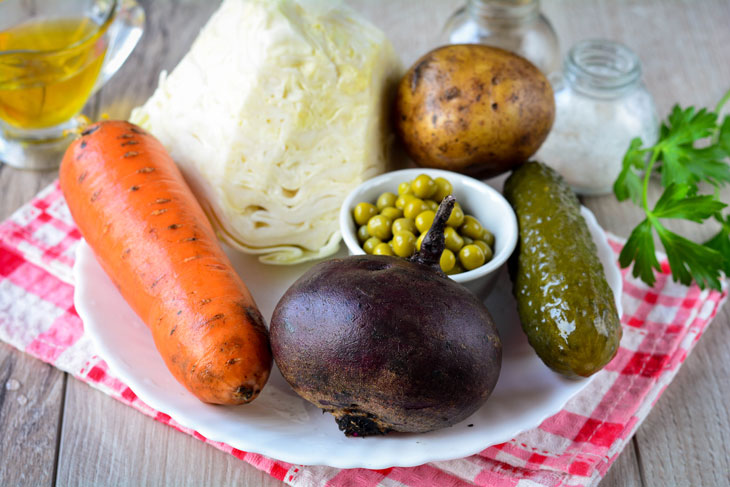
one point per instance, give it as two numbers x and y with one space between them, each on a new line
47 70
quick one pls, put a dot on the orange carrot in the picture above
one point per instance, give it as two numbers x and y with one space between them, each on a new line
152 238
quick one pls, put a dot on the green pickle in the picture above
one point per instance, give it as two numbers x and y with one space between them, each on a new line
565 304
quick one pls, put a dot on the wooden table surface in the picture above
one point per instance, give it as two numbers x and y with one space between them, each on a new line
67 433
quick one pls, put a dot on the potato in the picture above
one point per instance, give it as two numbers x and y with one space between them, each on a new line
473 109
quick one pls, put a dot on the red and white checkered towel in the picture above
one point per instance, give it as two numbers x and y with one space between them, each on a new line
572 448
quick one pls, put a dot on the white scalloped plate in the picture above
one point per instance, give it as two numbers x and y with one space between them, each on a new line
281 425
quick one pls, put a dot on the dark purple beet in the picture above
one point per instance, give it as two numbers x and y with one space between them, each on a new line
386 344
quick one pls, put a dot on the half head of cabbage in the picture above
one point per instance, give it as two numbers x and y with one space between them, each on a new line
274 115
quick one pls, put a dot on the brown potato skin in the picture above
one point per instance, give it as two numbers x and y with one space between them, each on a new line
473 109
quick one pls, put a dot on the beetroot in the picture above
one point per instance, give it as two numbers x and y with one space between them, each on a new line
386 344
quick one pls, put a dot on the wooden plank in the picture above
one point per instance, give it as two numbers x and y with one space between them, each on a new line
31 400
414 28
18 187
686 438
105 442
170 29
625 470
30 415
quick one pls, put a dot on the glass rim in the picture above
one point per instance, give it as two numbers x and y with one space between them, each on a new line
622 63
507 11
98 32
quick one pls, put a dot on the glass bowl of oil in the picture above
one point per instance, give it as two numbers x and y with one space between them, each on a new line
53 57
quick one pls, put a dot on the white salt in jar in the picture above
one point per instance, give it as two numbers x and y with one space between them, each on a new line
601 104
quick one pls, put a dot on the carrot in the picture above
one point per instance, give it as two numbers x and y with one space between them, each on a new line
152 238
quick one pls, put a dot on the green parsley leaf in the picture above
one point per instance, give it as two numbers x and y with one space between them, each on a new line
628 184
639 248
686 126
707 165
675 203
721 243
681 161
723 138
689 260
692 150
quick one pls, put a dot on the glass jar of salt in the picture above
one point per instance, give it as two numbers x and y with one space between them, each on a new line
514 25
601 104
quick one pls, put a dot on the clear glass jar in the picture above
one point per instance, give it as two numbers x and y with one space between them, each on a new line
600 105
514 25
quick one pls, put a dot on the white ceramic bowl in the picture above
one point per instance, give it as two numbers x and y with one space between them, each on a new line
476 198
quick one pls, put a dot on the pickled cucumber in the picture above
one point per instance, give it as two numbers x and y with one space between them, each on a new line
565 304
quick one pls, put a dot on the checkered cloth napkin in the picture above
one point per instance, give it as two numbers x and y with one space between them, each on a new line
575 447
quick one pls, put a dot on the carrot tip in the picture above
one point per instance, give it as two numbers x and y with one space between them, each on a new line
245 392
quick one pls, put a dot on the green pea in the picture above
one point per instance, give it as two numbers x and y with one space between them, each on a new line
447 261
424 220
362 233
404 244
379 226
453 240
456 218
383 249
471 228
443 189
457 269
488 237
404 225
413 208
404 188
481 244
432 205
384 200
467 240
370 244
488 252
363 212
423 186
471 257
400 203
392 212
419 240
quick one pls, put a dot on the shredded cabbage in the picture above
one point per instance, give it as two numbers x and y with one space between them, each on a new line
274 115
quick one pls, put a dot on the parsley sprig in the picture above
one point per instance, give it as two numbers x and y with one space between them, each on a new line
691 150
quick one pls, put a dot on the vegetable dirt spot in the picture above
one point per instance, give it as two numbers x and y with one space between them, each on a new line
418 74
452 93
91 130
212 319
